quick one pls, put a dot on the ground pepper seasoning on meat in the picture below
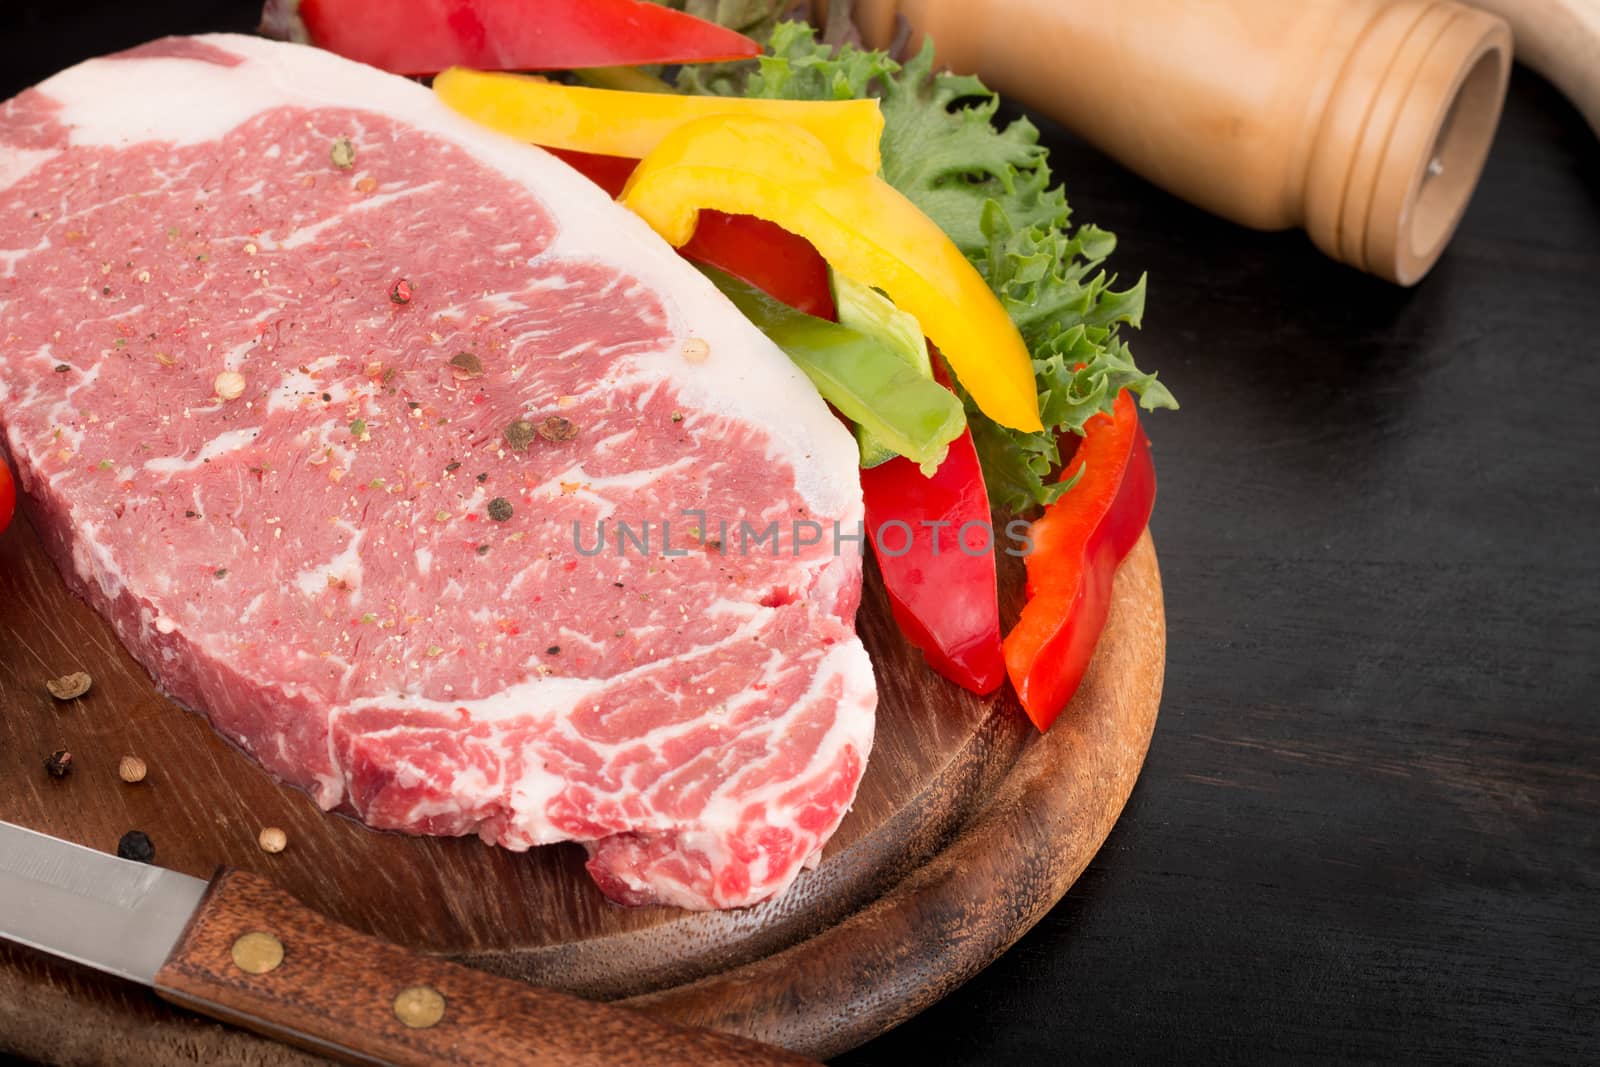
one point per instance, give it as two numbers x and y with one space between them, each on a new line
518 435
464 367
557 429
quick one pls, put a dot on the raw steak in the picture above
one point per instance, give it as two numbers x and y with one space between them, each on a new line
379 568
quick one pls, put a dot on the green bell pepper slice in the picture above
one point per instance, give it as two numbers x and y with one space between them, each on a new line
872 386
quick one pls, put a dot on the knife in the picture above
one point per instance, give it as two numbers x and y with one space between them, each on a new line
243 951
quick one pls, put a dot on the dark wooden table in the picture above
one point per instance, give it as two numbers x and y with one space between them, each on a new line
1367 828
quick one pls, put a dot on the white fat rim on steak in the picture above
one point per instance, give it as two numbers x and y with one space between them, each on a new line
745 377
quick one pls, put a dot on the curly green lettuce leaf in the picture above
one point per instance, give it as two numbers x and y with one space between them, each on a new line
989 187
1068 311
753 18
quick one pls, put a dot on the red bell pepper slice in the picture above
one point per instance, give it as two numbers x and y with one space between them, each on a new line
426 36
753 250
767 256
942 593
941 584
610 173
1078 543
8 496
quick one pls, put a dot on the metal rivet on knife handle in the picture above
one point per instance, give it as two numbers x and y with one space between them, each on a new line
257 953
419 1006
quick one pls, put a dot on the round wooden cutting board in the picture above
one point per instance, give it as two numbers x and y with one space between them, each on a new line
969 826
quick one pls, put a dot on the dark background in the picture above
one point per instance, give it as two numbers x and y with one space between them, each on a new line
1367 826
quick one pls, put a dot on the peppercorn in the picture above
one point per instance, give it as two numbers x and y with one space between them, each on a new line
272 839
59 764
131 769
518 435
500 509
464 366
229 385
556 428
69 686
136 845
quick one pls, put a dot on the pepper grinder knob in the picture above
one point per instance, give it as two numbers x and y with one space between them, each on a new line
1366 122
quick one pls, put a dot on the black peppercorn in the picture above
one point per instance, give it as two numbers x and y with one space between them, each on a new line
59 764
135 845
499 509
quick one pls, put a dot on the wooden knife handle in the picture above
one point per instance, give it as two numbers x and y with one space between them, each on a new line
256 957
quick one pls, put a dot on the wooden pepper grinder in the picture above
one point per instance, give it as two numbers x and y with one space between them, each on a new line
1364 121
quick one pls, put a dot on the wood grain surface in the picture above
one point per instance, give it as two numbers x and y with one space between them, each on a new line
534 915
967 829
254 956
1369 827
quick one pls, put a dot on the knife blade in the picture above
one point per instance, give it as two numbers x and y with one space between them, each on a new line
241 950
113 915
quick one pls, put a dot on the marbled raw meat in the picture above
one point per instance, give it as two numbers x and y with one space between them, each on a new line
313 563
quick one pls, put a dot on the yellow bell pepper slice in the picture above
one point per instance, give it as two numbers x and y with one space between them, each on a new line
613 122
863 227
